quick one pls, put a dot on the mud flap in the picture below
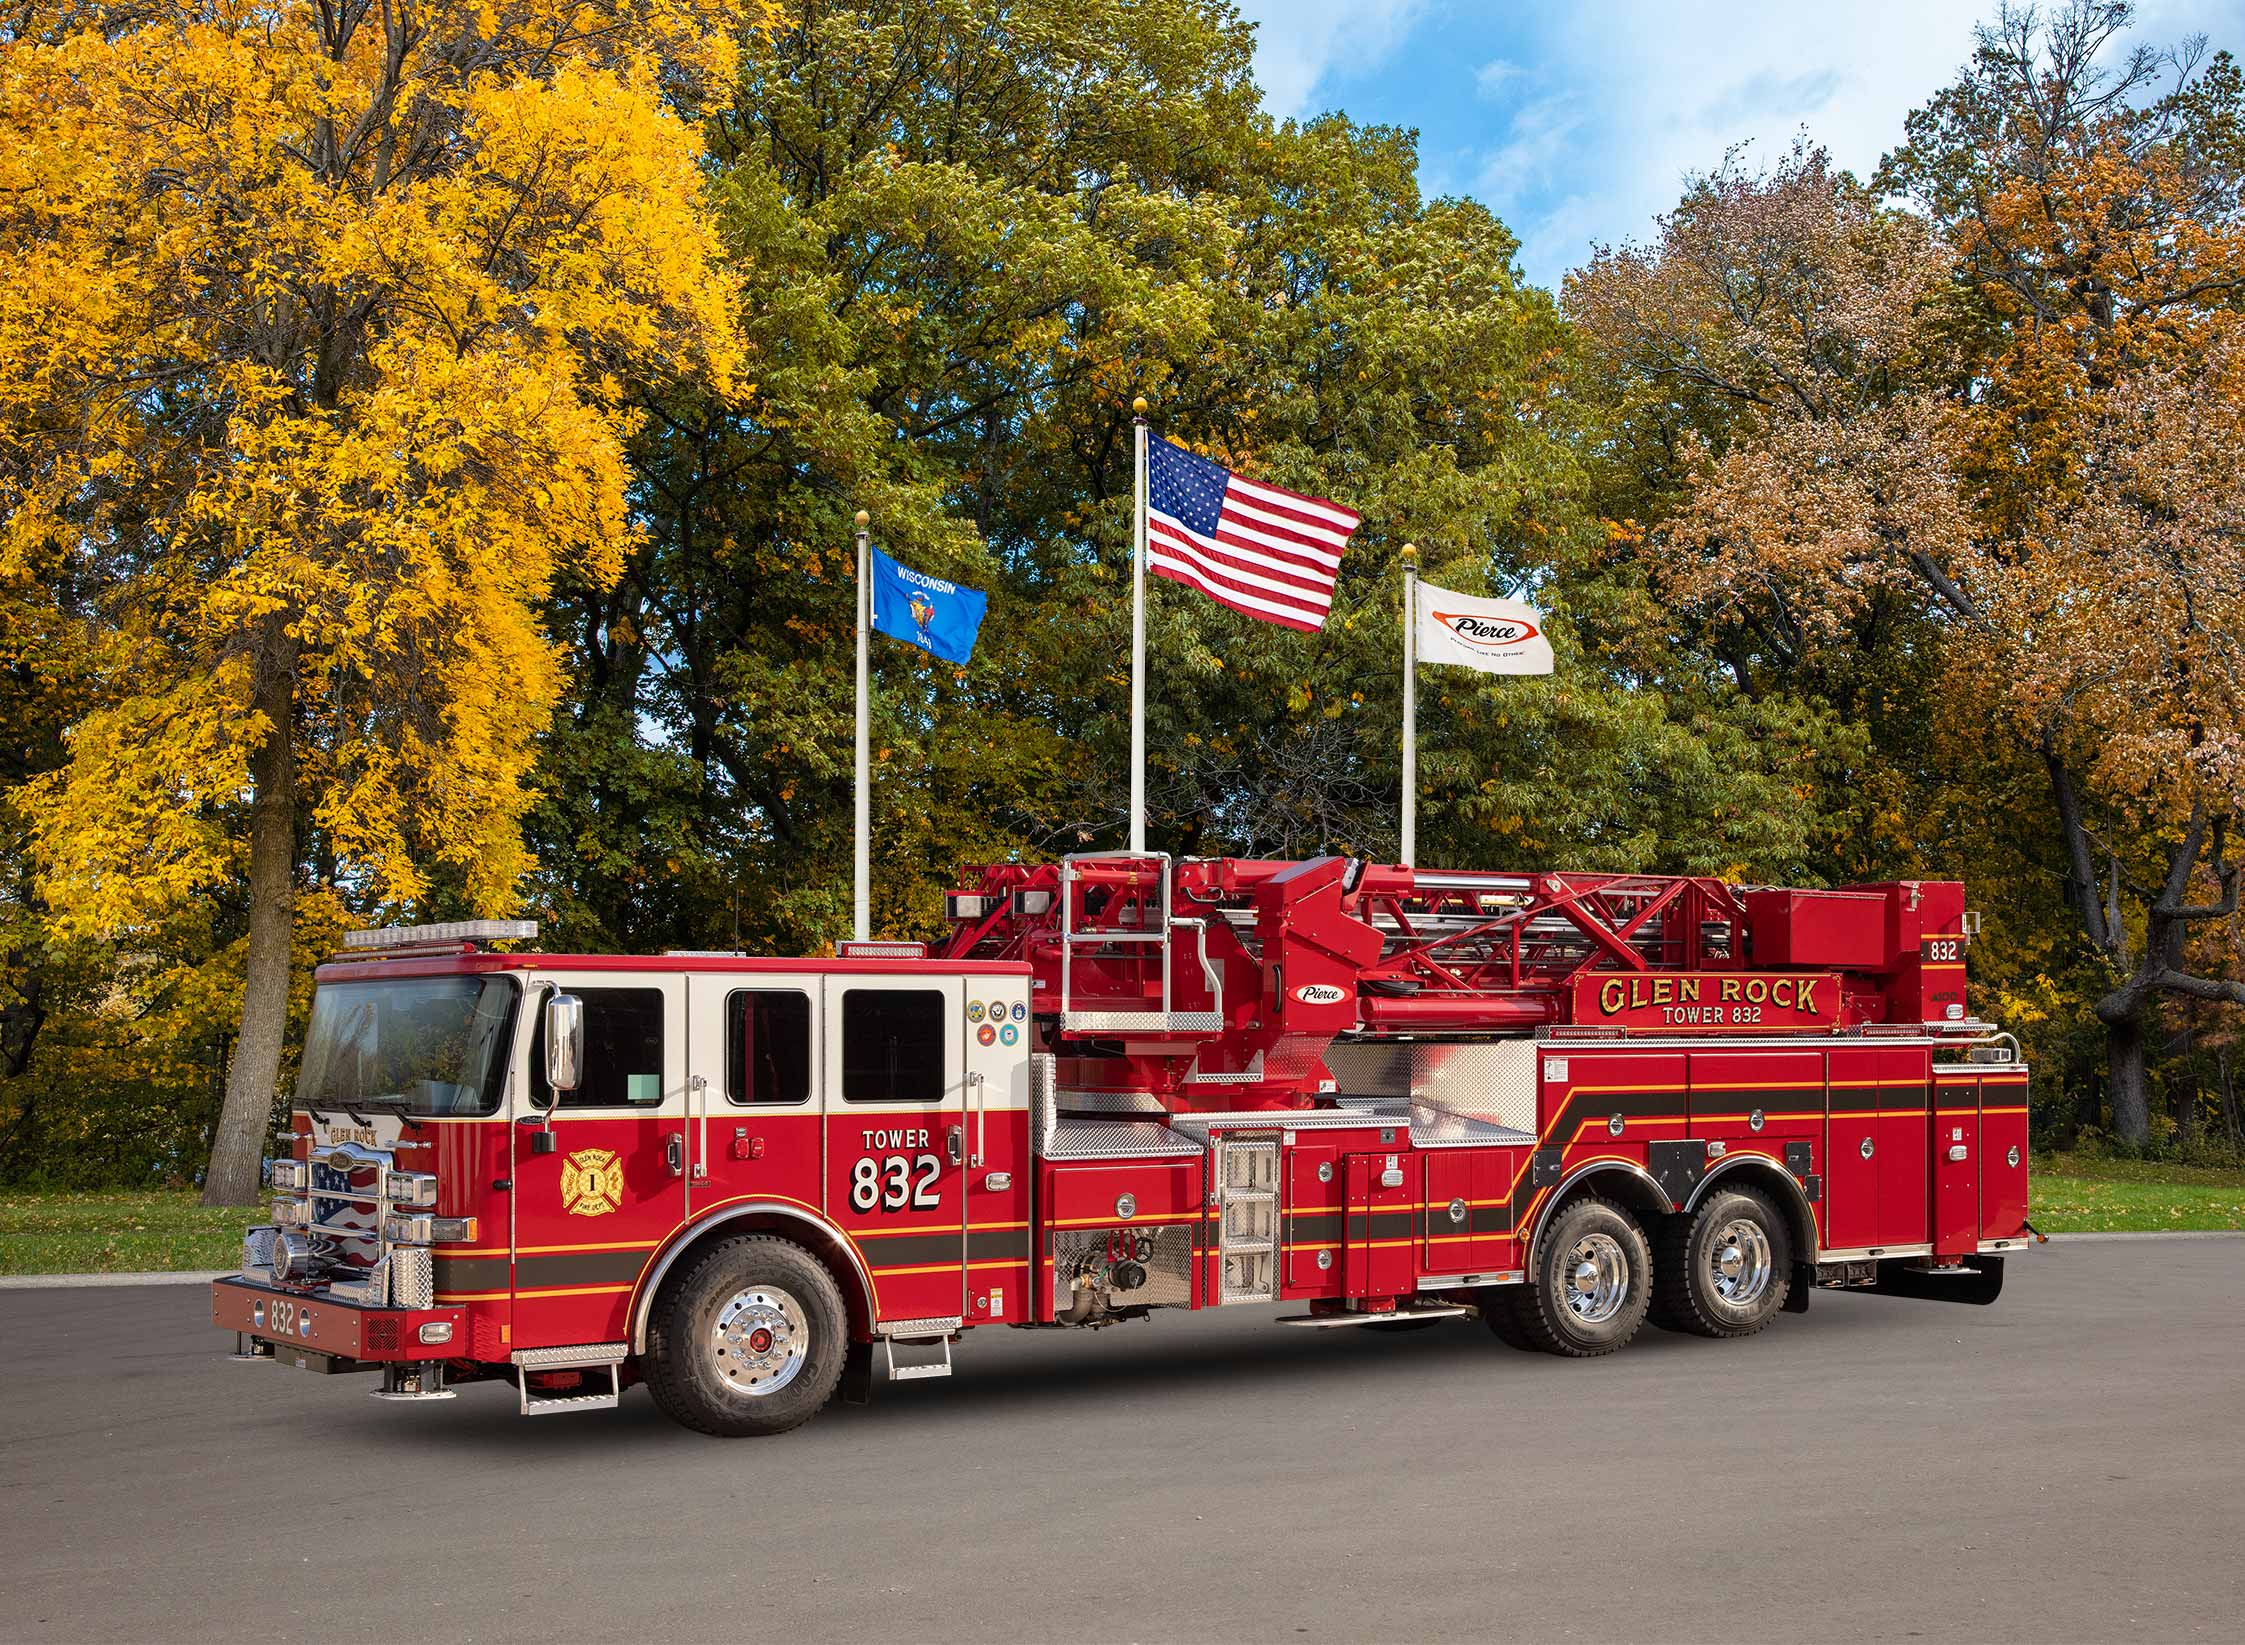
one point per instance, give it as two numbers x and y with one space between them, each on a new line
1980 1284
1804 1280
857 1374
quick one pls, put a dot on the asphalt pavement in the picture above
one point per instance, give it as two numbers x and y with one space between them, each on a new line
2068 1464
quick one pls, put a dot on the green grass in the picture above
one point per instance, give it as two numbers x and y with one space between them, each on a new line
2075 1194
117 1233
153 1232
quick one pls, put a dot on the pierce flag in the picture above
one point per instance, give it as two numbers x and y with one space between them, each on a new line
1475 631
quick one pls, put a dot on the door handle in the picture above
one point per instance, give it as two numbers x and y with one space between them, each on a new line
674 1150
976 1080
954 1143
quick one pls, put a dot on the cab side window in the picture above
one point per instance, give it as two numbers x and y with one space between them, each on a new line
623 1051
767 1045
892 1045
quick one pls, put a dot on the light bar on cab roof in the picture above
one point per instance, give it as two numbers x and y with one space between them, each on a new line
418 936
881 950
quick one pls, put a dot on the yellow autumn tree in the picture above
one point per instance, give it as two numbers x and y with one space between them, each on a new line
314 367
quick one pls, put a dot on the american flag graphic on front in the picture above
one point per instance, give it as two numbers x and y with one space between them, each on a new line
1270 553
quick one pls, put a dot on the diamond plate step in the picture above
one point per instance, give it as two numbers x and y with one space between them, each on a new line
571 1357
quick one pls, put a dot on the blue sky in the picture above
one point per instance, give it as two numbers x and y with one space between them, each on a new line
1575 120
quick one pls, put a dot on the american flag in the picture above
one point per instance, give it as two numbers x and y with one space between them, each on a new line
1269 553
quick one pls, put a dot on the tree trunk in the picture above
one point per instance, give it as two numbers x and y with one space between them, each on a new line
245 1120
2230 1118
2124 1066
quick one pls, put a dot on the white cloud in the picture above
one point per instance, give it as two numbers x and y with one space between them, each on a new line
1300 43
1491 77
1665 86
1538 145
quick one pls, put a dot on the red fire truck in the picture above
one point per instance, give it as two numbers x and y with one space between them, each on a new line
1567 1103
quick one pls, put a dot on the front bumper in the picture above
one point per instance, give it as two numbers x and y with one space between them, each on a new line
326 1325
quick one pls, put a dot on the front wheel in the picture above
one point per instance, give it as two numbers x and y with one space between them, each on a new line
1592 1282
750 1340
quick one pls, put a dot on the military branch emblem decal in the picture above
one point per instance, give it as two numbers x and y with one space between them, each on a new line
592 1183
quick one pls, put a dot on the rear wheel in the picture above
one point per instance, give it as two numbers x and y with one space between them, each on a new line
1592 1282
1726 1269
750 1340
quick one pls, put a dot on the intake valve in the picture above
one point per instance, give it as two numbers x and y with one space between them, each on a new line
1129 1276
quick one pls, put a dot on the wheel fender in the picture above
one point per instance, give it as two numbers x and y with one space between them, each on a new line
1623 1182
1755 1170
817 1235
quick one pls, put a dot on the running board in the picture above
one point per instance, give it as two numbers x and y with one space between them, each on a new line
1326 1322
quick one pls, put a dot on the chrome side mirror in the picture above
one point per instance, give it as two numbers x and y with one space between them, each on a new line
565 1042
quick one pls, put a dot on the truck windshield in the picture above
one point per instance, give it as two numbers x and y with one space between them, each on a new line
415 1045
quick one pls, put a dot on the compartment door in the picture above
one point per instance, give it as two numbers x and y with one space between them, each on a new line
1956 1161
1383 1241
1853 1150
1314 1190
1905 1142
2003 1148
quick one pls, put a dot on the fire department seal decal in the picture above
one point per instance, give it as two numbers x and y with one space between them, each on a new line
592 1183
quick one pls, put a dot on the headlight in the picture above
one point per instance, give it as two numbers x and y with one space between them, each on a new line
288 1176
437 1330
428 1230
411 1188
289 1213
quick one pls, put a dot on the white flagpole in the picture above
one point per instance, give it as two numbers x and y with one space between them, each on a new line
861 904
1138 638
1410 705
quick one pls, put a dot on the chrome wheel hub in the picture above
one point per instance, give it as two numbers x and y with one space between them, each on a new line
1738 1262
761 1339
1597 1278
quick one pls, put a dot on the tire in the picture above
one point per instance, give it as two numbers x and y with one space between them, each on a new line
1501 1310
1593 1250
1725 1270
749 1340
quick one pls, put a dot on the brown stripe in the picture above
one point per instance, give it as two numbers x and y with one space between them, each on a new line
456 1274
1314 1228
578 1268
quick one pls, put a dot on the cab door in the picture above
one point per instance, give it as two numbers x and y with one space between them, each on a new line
896 1139
755 1131
591 1205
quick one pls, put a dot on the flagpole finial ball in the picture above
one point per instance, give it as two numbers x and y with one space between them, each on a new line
1410 551
1138 406
863 519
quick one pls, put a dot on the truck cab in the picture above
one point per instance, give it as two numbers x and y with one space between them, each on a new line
496 1160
